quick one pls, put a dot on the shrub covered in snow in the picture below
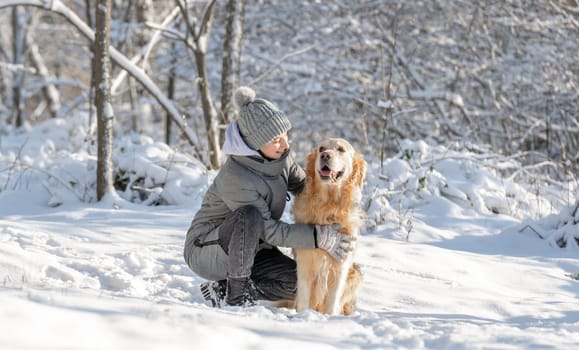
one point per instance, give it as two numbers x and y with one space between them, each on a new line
560 229
58 158
153 173
469 179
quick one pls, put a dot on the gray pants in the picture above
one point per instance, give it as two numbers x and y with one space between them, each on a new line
238 252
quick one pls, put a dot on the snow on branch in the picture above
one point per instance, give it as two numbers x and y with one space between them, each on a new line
136 72
146 51
17 67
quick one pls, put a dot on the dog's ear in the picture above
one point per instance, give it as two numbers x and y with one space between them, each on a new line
358 170
311 165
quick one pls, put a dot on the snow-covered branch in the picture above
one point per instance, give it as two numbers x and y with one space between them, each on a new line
136 72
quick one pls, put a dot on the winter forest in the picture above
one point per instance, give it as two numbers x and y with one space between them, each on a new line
102 102
491 76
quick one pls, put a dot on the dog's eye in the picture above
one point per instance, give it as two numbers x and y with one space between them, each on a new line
341 149
321 149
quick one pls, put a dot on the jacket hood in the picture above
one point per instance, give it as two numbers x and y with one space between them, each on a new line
234 144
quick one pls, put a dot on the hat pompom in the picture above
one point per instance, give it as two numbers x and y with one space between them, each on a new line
244 95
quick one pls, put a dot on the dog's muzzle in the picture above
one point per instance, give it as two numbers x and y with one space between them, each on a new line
327 174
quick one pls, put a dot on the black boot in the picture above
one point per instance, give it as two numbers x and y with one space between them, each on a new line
241 292
214 292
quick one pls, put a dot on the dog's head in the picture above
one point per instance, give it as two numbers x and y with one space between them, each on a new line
336 163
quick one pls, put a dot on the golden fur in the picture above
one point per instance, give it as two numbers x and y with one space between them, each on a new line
335 176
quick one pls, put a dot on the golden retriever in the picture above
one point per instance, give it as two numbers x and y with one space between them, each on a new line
332 194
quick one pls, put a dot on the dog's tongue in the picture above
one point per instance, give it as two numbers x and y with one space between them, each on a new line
326 172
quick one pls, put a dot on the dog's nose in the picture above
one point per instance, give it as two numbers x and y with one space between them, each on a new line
325 156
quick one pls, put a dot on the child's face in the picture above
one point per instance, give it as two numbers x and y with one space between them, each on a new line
276 147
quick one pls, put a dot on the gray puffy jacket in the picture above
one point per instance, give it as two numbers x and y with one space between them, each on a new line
251 180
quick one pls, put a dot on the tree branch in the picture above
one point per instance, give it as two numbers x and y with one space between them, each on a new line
57 6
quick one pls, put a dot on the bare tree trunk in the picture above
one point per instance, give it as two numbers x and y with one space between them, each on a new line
128 46
232 46
18 48
144 14
4 57
170 90
105 115
199 47
209 112
87 8
2 88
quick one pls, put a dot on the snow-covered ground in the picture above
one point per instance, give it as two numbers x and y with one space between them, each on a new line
454 256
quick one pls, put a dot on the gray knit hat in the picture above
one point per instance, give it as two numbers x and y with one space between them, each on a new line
260 121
